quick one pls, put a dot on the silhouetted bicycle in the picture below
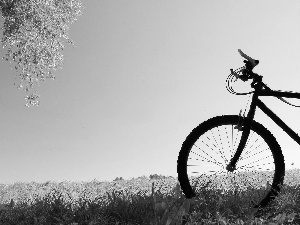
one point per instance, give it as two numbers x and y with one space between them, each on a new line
234 152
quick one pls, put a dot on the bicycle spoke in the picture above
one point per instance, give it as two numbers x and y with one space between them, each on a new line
206 160
222 153
254 162
206 152
251 156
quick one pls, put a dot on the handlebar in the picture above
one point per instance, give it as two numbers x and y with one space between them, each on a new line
245 73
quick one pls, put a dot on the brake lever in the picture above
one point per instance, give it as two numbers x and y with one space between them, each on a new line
243 77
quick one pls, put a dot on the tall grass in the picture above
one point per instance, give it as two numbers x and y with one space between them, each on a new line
141 201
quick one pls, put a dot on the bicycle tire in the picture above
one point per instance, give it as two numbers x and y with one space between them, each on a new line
214 124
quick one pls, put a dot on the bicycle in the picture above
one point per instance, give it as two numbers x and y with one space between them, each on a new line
235 152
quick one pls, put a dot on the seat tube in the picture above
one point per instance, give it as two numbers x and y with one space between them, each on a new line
246 131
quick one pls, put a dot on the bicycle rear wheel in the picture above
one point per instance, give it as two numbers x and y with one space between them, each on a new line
208 149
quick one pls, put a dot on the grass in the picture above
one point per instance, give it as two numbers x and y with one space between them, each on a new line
141 201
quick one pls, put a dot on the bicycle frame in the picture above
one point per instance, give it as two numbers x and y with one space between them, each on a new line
256 102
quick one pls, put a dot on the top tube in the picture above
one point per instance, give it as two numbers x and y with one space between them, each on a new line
263 90
285 94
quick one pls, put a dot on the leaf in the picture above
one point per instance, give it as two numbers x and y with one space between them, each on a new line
222 222
186 205
280 217
157 206
163 205
291 217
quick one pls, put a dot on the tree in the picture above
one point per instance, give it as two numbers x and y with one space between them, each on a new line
156 177
118 179
34 34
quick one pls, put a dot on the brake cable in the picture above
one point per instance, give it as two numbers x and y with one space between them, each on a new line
285 101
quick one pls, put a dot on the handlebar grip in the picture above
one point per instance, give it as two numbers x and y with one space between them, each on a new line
251 60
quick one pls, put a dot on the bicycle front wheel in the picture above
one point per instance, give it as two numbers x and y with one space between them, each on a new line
208 149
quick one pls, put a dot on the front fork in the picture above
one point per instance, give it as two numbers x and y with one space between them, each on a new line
246 126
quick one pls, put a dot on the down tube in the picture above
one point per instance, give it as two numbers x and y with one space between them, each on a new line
278 121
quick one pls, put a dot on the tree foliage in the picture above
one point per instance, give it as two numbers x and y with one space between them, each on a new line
157 177
118 178
34 34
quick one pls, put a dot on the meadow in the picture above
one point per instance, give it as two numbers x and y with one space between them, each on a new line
155 201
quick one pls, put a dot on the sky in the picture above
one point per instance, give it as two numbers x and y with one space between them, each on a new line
143 74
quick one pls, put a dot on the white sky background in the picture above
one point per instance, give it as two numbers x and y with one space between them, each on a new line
142 76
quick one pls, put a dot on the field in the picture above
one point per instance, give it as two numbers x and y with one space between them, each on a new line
141 201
